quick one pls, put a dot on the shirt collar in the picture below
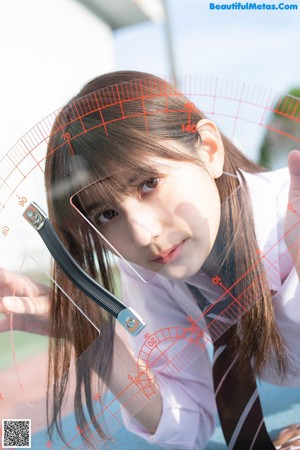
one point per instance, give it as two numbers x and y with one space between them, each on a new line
265 212
264 205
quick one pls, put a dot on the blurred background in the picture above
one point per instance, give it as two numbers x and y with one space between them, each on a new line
50 48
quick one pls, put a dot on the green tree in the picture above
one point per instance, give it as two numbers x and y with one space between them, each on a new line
283 130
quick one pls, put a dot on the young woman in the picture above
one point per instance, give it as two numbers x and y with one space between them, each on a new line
125 175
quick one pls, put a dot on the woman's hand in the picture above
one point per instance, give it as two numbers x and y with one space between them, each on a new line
292 220
288 439
27 300
124 363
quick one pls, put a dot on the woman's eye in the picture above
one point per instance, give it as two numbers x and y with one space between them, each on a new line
149 185
106 216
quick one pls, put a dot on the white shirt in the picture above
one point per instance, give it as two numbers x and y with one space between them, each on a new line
189 408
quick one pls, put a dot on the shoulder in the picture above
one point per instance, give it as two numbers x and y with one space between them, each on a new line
277 181
269 194
269 198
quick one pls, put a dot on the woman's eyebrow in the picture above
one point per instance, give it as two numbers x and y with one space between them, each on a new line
131 180
127 181
100 202
90 209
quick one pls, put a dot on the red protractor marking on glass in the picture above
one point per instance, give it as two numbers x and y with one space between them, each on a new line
150 352
178 362
26 147
39 134
140 400
77 112
215 329
12 342
288 106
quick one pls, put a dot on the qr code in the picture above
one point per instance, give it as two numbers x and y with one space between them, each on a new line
16 433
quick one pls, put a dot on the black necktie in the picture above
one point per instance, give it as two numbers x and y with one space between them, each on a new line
237 398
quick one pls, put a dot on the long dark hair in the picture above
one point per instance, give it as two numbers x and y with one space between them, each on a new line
116 120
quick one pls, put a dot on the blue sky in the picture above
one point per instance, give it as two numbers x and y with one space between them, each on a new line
258 47
50 48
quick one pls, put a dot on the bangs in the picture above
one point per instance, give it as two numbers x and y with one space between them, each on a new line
111 190
109 158
89 153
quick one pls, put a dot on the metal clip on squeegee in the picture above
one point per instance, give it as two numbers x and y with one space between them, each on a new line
130 320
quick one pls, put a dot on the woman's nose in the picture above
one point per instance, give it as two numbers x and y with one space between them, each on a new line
144 225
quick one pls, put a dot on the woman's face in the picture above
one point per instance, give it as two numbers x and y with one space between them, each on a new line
167 223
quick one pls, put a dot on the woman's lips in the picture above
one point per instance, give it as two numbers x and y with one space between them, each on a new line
169 256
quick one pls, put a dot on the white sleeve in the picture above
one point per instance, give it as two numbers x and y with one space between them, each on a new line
183 424
182 368
280 266
269 193
287 313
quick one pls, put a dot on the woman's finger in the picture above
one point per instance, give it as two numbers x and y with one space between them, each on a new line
27 324
293 442
294 168
286 434
20 285
38 306
294 446
292 221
